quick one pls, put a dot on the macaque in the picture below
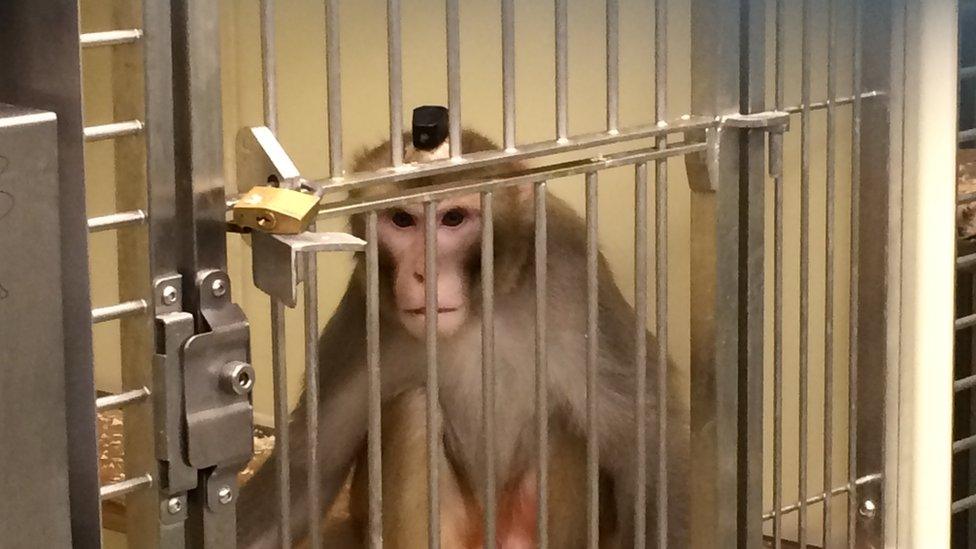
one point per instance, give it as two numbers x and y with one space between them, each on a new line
343 374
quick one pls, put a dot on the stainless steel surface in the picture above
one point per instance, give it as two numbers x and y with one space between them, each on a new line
613 63
333 75
660 268
853 334
311 317
454 78
32 380
269 66
715 279
867 480
592 354
113 130
43 72
804 344
117 221
541 363
778 317
119 310
279 260
830 183
640 353
374 448
394 48
121 400
508 74
110 38
433 388
279 374
125 487
488 361
562 70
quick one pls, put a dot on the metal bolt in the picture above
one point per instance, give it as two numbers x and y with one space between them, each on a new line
238 377
219 287
174 506
225 495
868 509
169 295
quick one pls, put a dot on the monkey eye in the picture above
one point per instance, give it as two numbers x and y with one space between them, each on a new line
453 218
402 219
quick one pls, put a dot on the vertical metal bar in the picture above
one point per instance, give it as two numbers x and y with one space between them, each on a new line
854 277
311 314
541 362
508 72
715 279
828 409
394 47
488 359
778 317
433 399
592 354
278 364
454 77
640 352
613 64
374 444
333 74
804 359
562 69
661 266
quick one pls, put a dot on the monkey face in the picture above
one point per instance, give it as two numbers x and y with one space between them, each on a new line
402 237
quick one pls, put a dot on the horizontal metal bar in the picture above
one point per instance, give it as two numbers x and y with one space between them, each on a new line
110 38
967 72
964 503
113 130
119 489
967 382
967 135
964 444
488 158
967 321
448 190
838 101
113 402
119 310
116 221
822 496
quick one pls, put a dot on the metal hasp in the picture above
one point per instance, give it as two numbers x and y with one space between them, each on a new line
776 123
278 260
32 378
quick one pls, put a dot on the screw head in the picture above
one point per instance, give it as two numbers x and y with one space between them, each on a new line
225 495
219 287
174 506
169 295
868 509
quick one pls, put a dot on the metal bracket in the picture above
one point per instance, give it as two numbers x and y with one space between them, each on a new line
278 260
262 160
218 418
705 166
771 121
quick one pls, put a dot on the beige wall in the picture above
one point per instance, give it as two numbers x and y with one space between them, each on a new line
303 130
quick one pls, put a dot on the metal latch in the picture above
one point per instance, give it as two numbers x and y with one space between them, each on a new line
704 168
277 263
289 206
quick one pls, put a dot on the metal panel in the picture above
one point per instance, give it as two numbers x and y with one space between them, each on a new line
44 73
34 491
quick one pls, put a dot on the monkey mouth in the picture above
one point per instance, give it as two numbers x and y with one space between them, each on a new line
421 311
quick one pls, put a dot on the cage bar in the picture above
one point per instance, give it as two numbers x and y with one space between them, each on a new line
854 300
433 388
454 78
661 267
125 487
830 169
121 400
804 345
311 317
592 355
640 353
776 148
394 46
562 70
541 362
113 130
488 387
374 443
333 75
117 221
613 64
508 73
110 38
119 310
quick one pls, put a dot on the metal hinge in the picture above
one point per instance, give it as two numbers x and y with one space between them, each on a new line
775 123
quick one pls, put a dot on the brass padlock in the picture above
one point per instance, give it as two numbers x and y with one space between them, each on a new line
276 210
